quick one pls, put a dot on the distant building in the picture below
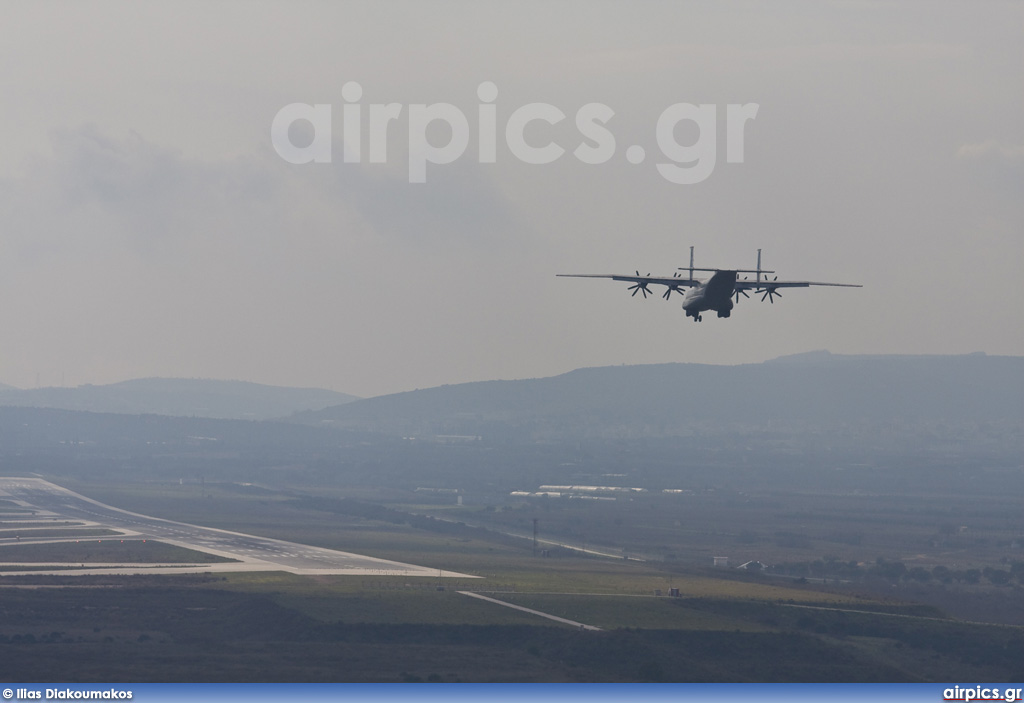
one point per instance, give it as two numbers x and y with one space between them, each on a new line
593 489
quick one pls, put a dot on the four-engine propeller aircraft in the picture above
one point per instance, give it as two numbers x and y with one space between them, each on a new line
717 292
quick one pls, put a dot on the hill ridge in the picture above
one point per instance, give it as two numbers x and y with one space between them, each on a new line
211 398
677 397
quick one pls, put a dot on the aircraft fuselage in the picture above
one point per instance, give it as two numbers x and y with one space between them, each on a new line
714 294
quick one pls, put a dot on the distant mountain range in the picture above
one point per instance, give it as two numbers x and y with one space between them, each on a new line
804 391
181 397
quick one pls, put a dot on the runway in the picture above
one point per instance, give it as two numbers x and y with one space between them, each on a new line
39 504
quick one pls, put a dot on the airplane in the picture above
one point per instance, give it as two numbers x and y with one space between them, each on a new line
717 292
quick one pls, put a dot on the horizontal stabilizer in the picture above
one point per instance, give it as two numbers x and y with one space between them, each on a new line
687 268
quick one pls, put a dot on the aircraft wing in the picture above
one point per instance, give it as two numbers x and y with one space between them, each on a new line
770 289
640 283
671 281
764 283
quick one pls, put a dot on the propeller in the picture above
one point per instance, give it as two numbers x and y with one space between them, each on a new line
672 287
640 287
738 291
770 292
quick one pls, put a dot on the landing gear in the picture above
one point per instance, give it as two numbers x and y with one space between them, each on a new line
724 313
695 315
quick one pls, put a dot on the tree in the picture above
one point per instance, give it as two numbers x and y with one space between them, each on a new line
997 576
919 573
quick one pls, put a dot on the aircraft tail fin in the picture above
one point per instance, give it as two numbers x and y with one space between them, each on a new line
691 268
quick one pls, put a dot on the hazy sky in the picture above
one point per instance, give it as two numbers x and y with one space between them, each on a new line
148 227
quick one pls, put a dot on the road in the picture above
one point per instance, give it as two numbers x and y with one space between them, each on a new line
531 611
40 501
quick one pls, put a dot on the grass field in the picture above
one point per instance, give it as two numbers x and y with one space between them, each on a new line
276 626
115 551
58 532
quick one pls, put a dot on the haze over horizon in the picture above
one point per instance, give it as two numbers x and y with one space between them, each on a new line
149 229
814 355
